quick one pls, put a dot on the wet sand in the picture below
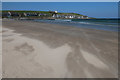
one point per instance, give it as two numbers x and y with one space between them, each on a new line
41 50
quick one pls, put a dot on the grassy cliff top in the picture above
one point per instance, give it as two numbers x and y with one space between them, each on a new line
45 12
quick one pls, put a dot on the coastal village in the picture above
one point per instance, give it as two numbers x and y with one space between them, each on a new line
42 15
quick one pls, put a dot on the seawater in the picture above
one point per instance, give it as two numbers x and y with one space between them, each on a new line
99 24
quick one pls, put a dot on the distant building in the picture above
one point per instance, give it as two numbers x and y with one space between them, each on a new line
52 14
71 16
85 17
82 17
24 14
39 14
56 12
66 16
9 13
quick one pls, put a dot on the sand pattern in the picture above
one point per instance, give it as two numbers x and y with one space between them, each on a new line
39 50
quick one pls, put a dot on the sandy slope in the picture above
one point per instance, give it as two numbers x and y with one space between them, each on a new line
39 50
0 48
32 58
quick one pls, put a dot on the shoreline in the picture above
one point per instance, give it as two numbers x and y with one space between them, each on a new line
82 24
58 51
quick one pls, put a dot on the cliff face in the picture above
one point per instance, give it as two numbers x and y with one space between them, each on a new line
42 15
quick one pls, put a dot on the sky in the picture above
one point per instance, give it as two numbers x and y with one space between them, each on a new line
91 9
60 0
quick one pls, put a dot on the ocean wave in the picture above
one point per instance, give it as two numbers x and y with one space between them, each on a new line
68 20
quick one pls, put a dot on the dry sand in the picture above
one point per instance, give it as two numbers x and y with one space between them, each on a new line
40 50
0 48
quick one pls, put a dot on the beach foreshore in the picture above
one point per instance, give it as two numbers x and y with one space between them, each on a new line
41 50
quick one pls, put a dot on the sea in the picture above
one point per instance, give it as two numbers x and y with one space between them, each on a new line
98 24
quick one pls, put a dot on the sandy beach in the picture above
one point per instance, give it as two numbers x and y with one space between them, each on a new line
0 48
41 50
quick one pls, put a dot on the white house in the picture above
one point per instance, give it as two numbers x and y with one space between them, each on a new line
56 12
9 13
71 16
25 14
